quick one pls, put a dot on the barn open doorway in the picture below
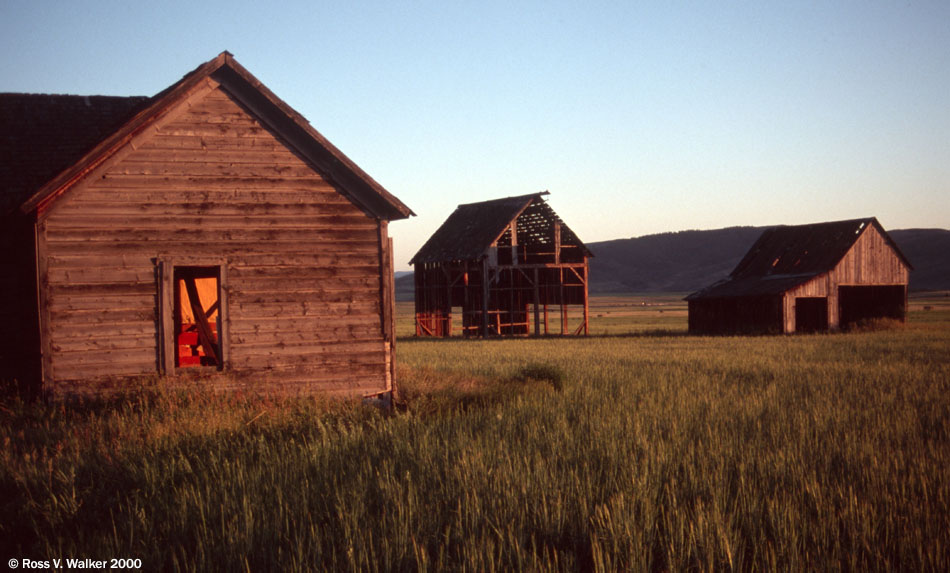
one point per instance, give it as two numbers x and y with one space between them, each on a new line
197 316
861 303
811 314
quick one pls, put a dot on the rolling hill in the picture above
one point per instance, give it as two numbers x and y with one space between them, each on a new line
686 261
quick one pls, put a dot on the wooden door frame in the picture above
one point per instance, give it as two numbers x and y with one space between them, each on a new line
168 347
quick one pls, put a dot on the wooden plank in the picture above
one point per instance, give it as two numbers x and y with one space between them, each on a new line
340 238
294 273
296 213
101 316
123 185
164 141
252 309
248 155
313 299
123 303
312 337
146 360
259 361
318 285
199 130
105 341
77 330
209 222
101 274
329 350
308 325
84 260
102 289
83 373
244 170
274 249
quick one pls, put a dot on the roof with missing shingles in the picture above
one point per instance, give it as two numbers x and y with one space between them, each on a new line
472 228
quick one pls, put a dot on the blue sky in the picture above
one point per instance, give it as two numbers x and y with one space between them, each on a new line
639 118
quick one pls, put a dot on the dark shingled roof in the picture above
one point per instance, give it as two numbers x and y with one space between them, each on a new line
42 134
473 227
786 256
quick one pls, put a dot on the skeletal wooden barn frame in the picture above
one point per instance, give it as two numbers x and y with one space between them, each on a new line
500 266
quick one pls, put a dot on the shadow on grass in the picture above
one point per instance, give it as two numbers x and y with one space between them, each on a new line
427 391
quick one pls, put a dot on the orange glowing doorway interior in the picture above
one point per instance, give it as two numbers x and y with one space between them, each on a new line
197 315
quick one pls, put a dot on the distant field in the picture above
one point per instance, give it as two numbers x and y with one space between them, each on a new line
637 448
639 313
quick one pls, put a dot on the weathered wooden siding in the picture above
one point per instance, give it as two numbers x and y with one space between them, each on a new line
735 315
871 261
210 182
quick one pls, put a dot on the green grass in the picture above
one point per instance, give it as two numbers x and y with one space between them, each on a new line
639 448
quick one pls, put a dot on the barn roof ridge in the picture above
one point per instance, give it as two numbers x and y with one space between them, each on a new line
785 256
76 160
524 197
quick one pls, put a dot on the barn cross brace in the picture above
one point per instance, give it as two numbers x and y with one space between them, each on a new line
205 336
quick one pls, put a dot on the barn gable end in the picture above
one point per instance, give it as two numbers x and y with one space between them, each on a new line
216 231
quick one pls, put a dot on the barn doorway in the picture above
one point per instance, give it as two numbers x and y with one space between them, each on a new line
811 314
197 316
861 303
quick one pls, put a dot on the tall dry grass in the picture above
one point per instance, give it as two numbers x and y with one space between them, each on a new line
641 452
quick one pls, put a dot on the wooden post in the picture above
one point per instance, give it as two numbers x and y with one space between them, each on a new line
511 301
466 299
563 306
448 302
586 307
537 300
42 301
484 321
386 286
391 303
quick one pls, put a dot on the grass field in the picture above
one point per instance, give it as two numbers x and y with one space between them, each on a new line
637 448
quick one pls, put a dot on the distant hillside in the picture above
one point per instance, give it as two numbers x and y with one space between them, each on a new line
668 262
686 261
929 251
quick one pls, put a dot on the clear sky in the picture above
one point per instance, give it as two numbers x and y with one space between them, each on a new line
639 118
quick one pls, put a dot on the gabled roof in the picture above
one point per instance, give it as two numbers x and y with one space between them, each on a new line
113 122
473 227
786 256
